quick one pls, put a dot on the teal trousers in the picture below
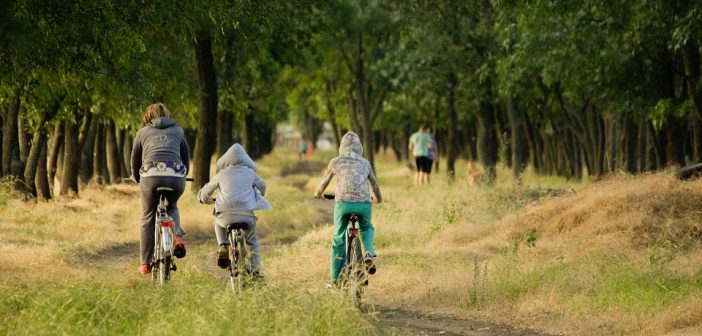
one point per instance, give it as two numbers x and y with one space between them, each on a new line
338 246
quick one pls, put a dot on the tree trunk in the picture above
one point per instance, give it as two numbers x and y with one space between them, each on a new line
23 138
127 145
612 148
99 160
33 158
691 63
696 138
56 145
41 178
487 137
363 94
113 157
71 160
224 131
207 110
124 157
10 143
674 131
452 136
328 89
631 134
257 135
88 144
519 139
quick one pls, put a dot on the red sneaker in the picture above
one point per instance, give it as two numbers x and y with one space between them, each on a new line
145 269
179 247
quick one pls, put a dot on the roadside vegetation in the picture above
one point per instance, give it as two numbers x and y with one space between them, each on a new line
616 256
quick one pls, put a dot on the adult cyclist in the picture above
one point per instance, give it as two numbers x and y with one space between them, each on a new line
160 158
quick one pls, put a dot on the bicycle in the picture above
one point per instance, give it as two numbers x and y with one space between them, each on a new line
162 263
239 255
354 277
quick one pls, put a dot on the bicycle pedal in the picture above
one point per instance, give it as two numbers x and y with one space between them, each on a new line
174 267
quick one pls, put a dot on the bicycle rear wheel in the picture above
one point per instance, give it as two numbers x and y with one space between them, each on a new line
164 268
241 265
158 254
356 276
233 262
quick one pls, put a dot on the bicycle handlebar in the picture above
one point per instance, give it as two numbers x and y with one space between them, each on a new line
129 180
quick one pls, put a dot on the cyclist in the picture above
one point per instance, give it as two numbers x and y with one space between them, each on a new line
355 178
160 158
241 192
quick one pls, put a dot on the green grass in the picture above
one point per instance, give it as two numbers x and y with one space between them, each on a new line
193 304
594 283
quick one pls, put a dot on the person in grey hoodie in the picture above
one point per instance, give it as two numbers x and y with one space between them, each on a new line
160 158
236 191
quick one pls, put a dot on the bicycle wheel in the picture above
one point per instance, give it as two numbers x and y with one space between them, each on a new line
155 264
233 259
241 261
356 275
164 273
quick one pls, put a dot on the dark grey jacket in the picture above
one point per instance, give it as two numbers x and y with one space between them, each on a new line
160 141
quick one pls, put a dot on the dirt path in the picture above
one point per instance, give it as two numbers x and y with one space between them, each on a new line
396 321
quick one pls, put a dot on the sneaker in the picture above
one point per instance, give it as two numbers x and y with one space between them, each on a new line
223 256
145 269
179 247
370 264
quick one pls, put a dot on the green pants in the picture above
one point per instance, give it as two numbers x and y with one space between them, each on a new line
338 246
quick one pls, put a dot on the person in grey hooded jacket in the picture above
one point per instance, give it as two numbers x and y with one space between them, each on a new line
236 190
160 158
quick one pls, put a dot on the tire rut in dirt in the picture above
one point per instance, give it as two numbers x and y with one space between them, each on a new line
395 321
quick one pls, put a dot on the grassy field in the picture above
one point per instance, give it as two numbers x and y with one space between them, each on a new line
619 256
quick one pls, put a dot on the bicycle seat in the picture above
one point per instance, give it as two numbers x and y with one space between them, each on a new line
164 189
238 225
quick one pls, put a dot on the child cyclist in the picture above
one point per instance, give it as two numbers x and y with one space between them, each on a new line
355 178
240 192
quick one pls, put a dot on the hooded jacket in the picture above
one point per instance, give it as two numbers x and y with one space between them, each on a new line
240 188
161 141
354 172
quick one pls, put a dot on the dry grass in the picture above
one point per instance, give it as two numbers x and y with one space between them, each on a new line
619 256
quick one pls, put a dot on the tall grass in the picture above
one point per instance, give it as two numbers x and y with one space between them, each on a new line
193 304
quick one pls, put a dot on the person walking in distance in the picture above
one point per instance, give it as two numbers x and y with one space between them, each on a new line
419 144
160 158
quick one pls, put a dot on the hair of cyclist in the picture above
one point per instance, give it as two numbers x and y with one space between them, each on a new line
157 110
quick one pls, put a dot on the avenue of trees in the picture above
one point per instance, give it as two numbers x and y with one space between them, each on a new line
566 87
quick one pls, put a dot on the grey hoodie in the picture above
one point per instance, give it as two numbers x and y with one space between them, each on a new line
160 141
355 174
240 188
